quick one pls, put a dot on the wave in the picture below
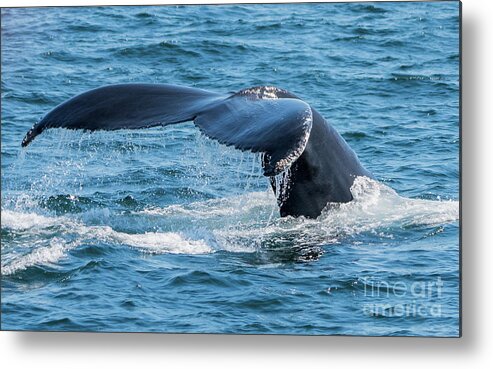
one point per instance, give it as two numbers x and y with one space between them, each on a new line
245 223
62 226
44 255
367 8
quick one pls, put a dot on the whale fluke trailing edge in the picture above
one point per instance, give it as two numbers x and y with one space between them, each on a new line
290 134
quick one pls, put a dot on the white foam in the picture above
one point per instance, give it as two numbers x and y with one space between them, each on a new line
236 224
168 242
153 242
41 255
227 207
22 221
377 203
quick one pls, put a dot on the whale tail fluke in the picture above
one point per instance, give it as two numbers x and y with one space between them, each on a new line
262 119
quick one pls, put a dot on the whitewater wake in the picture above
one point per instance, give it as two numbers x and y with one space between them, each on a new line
245 223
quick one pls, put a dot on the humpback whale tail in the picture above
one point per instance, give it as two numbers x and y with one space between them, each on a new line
255 119
286 130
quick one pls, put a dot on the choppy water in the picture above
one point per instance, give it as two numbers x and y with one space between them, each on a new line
165 230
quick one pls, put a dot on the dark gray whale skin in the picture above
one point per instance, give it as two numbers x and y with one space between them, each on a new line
314 163
324 173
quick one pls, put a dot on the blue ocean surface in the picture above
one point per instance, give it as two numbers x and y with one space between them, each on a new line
165 230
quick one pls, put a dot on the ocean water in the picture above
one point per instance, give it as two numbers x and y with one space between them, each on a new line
164 230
